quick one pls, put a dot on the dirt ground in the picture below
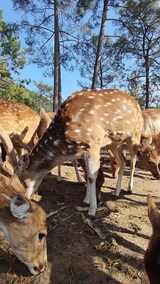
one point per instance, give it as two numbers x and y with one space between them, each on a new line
76 255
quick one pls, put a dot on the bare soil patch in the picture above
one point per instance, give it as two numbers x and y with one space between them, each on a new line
76 255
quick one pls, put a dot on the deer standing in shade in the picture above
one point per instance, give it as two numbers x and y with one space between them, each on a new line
86 122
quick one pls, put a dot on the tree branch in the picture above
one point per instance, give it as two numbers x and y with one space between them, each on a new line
35 26
47 41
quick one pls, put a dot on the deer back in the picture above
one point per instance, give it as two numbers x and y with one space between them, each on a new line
15 117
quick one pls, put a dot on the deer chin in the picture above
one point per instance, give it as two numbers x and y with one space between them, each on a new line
32 267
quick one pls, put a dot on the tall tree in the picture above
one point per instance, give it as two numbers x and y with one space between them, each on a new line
101 38
50 37
139 45
57 66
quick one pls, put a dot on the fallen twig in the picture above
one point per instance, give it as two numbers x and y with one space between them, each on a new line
97 230
56 211
68 217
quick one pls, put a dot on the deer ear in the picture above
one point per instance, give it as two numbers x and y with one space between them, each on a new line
153 214
24 132
20 207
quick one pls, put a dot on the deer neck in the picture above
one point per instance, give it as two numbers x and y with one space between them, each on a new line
4 223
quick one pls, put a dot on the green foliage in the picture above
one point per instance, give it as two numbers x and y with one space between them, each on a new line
138 48
12 59
10 49
17 92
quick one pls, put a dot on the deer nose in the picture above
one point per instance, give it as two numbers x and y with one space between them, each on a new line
39 269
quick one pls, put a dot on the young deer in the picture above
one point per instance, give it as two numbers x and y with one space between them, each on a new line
86 122
23 224
152 255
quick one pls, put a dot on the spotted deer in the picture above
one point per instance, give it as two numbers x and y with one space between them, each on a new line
15 117
150 141
20 122
149 151
86 122
23 224
152 255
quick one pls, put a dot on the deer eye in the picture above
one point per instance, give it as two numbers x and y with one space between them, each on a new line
41 236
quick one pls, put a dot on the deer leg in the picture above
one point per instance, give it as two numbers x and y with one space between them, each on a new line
132 170
86 168
114 162
121 161
93 164
77 171
59 178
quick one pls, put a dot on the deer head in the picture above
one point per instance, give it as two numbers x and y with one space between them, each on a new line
23 224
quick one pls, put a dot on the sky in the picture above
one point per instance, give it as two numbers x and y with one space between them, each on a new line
31 71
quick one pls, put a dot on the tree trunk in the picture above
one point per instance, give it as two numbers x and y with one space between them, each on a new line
59 77
99 45
57 71
101 74
147 83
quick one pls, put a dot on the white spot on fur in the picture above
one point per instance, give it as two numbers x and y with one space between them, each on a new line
90 97
107 104
70 146
83 147
119 117
106 114
125 108
82 109
89 129
98 126
56 142
102 118
120 132
77 130
101 95
91 112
